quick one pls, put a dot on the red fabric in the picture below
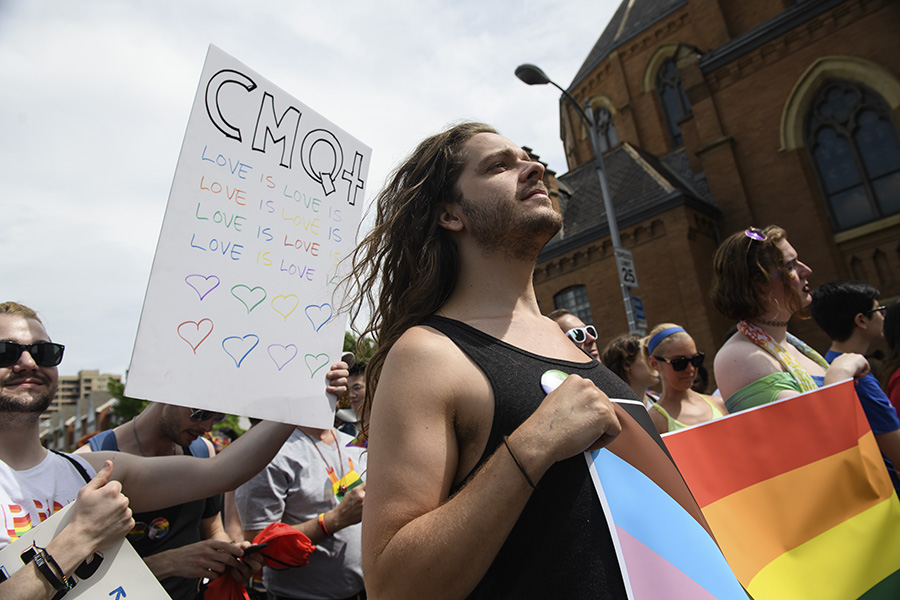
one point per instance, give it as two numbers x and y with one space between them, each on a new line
224 587
286 547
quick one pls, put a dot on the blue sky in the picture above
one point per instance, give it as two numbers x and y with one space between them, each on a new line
96 97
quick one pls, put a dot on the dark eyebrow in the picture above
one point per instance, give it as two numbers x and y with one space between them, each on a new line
516 153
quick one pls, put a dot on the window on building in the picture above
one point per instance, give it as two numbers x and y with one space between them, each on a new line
575 300
606 128
674 101
853 143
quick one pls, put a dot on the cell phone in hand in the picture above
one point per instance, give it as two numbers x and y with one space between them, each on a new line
254 548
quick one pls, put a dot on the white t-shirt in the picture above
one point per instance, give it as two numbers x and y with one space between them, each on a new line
27 498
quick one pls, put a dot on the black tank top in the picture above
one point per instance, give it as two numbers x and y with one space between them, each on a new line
560 547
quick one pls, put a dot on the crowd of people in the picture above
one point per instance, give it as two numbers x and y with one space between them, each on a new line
456 464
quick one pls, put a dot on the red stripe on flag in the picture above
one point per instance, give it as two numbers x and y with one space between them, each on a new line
712 475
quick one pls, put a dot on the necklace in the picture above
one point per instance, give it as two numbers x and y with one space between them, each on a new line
771 323
328 468
138 440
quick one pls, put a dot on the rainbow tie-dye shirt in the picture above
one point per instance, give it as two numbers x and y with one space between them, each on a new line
27 498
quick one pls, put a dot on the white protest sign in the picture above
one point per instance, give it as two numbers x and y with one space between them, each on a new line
113 574
240 311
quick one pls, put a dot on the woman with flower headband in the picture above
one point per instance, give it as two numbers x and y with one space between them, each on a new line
759 281
671 351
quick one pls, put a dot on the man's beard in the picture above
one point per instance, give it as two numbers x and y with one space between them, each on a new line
496 228
10 403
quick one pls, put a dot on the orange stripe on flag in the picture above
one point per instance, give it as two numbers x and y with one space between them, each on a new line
756 525
711 456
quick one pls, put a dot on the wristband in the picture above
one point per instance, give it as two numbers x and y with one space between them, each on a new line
44 569
321 520
516 460
55 565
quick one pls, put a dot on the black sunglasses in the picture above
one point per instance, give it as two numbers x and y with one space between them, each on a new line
875 310
45 354
199 415
681 363
579 334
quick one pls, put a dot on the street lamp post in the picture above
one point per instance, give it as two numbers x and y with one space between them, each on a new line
533 75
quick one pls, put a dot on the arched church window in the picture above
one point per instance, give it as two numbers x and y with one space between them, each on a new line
606 128
575 300
852 141
674 100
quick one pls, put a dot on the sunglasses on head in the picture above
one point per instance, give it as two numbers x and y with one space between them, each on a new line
45 354
199 415
681 363
755 234
579 334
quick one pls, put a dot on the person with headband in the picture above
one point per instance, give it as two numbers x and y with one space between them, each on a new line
672 352
759 281
624 357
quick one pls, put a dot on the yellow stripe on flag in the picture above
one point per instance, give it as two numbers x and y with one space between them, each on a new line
824 569
758 524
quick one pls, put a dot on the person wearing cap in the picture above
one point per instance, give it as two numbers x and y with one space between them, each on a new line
671 352
583 336
185 543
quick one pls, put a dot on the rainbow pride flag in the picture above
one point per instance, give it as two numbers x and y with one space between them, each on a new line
798 497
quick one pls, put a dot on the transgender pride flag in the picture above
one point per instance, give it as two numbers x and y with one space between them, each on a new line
664 553
798 498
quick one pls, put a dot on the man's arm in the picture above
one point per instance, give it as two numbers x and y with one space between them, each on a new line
158 482
348 512
417 541
99 517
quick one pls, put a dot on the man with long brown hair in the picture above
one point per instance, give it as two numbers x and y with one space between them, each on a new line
476 483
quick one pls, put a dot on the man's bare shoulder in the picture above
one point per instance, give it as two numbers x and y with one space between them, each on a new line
740 362
422 352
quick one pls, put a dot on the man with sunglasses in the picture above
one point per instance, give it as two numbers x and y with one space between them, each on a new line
583 336
852 316
34 482
185 543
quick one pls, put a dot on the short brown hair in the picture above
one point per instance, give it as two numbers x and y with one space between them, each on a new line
621 353
559 312
741 272
14 308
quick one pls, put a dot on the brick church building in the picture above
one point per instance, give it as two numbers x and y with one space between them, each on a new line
718 115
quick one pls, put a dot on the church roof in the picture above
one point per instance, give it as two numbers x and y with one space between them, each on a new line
631 18
641 185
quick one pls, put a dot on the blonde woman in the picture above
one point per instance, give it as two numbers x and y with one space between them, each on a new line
671 351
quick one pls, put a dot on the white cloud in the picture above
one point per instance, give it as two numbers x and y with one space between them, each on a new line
96 98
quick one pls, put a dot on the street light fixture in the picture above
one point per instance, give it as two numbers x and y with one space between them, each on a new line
533 75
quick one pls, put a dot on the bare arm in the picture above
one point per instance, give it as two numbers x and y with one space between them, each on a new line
99 518
158 482
417 542
347 512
